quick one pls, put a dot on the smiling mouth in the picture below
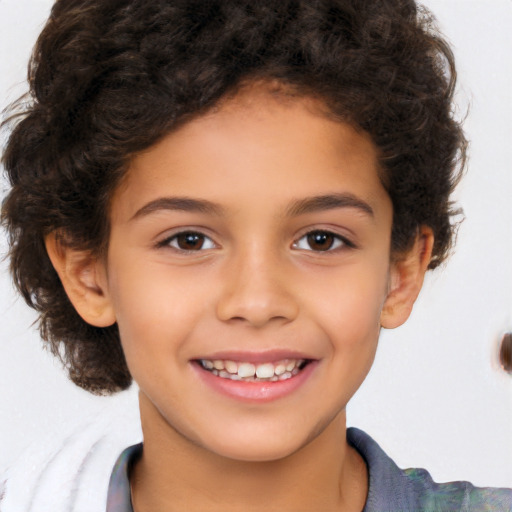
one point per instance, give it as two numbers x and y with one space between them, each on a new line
249 372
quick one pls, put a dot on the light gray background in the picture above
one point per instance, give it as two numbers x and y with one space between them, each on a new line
436 396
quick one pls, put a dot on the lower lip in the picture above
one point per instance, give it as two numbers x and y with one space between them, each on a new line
263 391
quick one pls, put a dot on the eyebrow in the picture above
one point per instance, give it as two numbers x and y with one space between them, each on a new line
184 204
328 202
299 207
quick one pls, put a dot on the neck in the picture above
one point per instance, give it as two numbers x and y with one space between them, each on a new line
176 474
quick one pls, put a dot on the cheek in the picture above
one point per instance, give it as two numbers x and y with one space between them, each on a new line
350 318
153 309
349 304
146 289
349 315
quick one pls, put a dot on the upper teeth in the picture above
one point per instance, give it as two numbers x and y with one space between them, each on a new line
244 370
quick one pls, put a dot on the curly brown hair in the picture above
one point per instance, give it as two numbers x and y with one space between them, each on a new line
109 79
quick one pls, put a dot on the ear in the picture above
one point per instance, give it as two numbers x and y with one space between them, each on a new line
84 279
406 278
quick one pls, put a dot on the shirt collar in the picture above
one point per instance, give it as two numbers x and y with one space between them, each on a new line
388 486
119 494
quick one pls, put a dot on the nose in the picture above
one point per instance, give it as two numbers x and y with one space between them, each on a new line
257 291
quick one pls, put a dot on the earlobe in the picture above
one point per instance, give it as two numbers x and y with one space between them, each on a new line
405 280
84 279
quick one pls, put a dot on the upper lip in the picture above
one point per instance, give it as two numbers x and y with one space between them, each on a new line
256 357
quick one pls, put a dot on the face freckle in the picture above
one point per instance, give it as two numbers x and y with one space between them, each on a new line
251 239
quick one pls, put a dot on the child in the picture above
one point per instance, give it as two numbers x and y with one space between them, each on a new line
226 201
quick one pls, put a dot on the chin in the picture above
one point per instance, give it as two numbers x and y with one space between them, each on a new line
260 445
257 451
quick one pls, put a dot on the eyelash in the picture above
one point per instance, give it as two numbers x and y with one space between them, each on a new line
338 241
168 242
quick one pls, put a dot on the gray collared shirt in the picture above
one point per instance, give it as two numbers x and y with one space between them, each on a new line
391 489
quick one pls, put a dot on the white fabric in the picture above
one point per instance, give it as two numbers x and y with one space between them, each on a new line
70 475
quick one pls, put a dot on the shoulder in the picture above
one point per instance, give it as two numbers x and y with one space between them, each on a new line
69 474
414 490
461 496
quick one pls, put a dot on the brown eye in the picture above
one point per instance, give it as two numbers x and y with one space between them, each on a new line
320 241
190 241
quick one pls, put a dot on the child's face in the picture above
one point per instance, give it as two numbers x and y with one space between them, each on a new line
259 233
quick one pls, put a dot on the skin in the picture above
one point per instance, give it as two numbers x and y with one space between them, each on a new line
253 282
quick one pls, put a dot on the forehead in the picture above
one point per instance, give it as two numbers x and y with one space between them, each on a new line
260 145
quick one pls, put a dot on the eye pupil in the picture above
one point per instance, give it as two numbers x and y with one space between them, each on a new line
320 241
190 241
